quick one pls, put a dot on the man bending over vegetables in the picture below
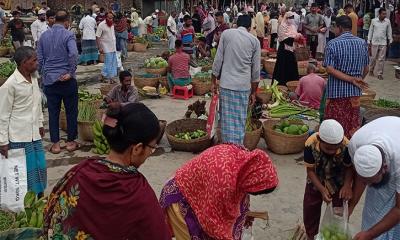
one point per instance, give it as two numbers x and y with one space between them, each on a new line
329 173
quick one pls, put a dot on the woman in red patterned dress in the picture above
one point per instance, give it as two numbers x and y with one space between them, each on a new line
208 198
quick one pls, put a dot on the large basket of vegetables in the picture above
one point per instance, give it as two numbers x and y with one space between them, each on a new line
130 47
188 135
253 134
201 83
140 44
157 65
87 114
269 65
147 79
285 137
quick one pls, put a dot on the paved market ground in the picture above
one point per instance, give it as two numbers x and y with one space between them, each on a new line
284 205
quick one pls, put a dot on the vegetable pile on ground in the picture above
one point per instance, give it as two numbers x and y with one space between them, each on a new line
33 214
6 220
191 135
102 146
204 62
157 62
333 233
199 35
86 111
291 129
7 68
384 103
161 32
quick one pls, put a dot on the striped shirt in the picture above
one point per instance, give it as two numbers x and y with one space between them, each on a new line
179 65
349 55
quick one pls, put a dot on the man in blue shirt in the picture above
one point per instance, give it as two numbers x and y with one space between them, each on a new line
346 62
58 57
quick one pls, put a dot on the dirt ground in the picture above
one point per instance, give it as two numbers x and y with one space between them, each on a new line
283 205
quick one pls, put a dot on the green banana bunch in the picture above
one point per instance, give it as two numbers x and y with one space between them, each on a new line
102 146
33 214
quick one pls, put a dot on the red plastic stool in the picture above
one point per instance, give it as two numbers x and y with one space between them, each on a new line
184 92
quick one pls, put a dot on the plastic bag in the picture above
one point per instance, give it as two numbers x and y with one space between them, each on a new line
247 234
334 226
119 61
13 180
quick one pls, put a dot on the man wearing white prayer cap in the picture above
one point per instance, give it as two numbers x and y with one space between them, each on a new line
375 151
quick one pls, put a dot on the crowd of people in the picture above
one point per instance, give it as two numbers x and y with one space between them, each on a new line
209 196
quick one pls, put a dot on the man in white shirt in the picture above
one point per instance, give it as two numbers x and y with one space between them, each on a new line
227 18
273 29
379 36
148 21
89 48
375 151
135 22
39 26
171 31
106 42
21 117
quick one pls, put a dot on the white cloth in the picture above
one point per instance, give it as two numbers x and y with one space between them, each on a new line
380 32
274 25
328 23
37 28
171 23
107 37
331 132
88 26
382 132
148 20
134 19
367 161
142 27
20 110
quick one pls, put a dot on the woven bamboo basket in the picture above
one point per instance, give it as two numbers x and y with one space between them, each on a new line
264 97
2 80
4 51
106 88
141 81
159 71
206 68
252 138
130 47
367 96
281 143
63 120
187 125
292 85
102 57
85 131
373 114
201 86
302 53
140 47
269 66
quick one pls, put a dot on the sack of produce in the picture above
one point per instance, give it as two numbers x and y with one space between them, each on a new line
333 226
14 180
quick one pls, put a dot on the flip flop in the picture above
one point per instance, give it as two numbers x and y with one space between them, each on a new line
54 151
74 148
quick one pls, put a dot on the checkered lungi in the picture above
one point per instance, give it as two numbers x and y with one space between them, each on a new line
233 112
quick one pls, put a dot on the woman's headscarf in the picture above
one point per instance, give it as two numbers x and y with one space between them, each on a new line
341 13
215 182
287 30
260 26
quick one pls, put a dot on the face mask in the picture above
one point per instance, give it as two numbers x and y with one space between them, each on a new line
290 21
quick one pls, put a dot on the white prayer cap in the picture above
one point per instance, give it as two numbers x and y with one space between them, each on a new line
41 11
228 9
154 16
331 132
367 160
157 10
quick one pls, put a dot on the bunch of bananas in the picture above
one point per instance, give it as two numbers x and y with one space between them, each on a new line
100 141
33 214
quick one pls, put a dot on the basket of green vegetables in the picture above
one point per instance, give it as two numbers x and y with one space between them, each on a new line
6 69
201 82
382 103
87 114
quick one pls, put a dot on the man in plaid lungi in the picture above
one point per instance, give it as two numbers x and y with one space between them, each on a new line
237 66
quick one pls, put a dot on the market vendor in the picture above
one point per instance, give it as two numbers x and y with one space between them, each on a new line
203 50
123 93
110 198
310 88
178 67
376 155
209 197
329 173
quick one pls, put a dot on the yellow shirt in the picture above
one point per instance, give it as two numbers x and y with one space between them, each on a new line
354 20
